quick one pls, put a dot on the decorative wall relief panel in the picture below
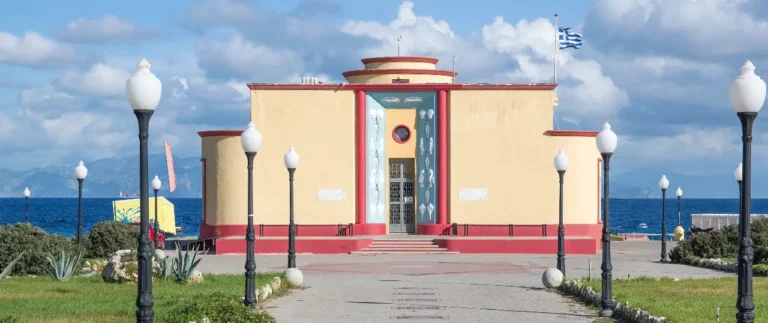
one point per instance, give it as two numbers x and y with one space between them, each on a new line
376 161
426 164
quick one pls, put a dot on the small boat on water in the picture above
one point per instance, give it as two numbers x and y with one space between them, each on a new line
642 226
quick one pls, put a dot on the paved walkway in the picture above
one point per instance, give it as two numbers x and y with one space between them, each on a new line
443 288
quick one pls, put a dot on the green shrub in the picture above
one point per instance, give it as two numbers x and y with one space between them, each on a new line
723 243
217 307
109 236
36 245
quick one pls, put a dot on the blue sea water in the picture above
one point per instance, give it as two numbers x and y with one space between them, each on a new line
59 215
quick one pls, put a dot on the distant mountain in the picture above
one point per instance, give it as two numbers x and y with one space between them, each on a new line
643 183
106 178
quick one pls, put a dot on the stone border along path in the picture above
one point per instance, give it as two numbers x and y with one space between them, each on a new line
467 287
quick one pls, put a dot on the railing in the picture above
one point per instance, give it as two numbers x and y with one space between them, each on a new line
717 221
341 229
510 228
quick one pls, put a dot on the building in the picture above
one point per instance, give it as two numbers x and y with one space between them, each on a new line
402 148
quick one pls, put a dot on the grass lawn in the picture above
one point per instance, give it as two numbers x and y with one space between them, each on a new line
89 299
688 300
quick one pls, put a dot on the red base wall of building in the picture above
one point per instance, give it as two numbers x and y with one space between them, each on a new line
533 245
303 245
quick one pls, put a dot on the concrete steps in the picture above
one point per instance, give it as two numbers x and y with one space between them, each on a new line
403 246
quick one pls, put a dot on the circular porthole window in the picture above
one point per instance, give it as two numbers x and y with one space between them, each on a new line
401 134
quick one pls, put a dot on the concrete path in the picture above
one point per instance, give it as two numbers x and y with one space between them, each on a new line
443 288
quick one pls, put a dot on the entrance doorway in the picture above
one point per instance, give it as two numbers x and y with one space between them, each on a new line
402 214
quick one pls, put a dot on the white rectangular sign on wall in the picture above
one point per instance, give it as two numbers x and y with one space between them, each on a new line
330 195
473 194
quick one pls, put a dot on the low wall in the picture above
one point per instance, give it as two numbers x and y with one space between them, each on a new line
718 220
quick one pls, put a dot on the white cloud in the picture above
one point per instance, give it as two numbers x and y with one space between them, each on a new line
108 29
246 59
713 26
33 50
99 80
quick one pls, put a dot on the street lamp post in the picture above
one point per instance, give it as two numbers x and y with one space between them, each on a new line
663 185
143 91
250 140
291 160
156 184
561 165
26 204
606 144
747 94
80 173
679 194
738 175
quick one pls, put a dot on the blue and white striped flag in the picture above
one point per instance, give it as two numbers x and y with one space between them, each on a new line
569 39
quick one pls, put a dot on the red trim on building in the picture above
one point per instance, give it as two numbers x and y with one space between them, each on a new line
304 245
394 134
429 229
403 71
360 158
571 133
281 230
509 87
442 157
599 188
543 245
205 195
403 87
399 59
220 133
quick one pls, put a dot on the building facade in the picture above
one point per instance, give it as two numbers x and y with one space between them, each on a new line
401 149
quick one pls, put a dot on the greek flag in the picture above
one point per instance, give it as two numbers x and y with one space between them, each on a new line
569 39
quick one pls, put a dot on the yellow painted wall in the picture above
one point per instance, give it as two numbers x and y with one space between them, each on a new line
400 65
225 180
387 78
498 143
320 125
396 117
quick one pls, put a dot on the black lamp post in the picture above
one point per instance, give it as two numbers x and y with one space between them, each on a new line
156 184
747 94
291 160
26 204
80 173
737 173
143 91
663 185
561 165
606 144
250 140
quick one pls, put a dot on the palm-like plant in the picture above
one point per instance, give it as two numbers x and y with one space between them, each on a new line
185 264
63 268
7 271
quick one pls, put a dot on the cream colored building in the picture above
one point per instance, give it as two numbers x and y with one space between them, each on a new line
402 148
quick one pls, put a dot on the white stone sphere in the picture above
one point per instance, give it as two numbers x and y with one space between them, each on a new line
159 254
552 278
294 277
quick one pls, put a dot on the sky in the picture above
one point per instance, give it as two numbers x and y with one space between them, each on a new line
657 70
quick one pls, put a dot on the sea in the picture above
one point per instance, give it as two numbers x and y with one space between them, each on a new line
59 215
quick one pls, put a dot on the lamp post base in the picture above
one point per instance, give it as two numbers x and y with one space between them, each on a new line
605 313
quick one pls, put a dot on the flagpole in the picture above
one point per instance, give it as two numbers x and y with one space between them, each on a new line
557 47
398 44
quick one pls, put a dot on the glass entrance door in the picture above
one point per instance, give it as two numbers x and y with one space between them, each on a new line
402 173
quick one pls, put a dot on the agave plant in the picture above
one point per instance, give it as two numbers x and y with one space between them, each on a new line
7 271
185 264
63 268
167 267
